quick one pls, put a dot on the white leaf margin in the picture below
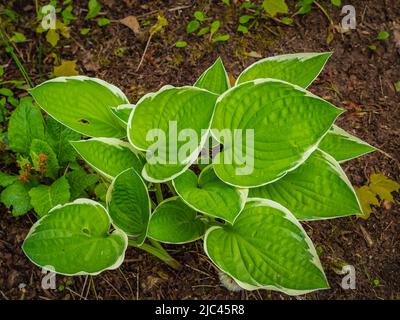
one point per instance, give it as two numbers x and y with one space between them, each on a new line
289 216
117 231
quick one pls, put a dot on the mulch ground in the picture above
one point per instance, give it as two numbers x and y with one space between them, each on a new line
355 78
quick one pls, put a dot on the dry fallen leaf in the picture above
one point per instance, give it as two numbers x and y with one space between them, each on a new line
66 69
132 23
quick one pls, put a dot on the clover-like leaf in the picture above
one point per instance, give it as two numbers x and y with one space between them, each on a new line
299 68
174 222
82 104
128 204
74 239
266 248
268 127
318 189
209 195
43 197
171 125
214 79
343 146
108 156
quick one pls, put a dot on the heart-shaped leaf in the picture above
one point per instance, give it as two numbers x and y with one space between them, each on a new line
343 146
179 120
82 104
43 197
174 222
209 195
214 79
299 68
266 248
318 189
109 156
268 127
74 239
128 204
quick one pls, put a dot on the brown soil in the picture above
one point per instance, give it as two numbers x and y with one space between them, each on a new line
355 78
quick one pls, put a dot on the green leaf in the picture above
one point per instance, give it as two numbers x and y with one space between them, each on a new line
68 15
281 125
242 29
82 104
199 16
397 86
6 92
94 8
245 18
74 239
6 179
266 248
181 44
273 7
299 68
26 124
344 146
214 79
318 189
84 31
128 203
215 25
383 35
44 159
16 196
58 137
43 197
336 3
203 31
122 113
79 181
18 37
288 21
103 22
161 115
209 195
192 26
220 38
101 192
108 156
174 222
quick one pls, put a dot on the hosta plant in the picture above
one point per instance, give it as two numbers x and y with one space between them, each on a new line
237 166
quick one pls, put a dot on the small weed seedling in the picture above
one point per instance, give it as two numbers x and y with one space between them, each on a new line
277 163
199 27
382 36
